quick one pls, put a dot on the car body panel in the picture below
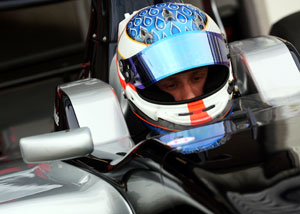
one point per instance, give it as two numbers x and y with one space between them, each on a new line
57 187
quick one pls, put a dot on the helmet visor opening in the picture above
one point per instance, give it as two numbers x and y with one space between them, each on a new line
217 77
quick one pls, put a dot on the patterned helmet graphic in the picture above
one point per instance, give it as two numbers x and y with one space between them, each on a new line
166 19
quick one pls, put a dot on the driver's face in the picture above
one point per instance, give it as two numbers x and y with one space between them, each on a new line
184 86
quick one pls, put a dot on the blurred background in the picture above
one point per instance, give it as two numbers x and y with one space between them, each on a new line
42 45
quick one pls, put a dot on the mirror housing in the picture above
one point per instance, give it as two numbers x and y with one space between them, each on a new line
60 145
95 105
255 60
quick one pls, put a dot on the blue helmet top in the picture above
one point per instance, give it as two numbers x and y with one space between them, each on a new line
162 20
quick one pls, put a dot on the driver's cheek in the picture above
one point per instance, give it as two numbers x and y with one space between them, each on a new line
198 88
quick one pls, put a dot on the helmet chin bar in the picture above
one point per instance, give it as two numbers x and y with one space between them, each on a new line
164 125
184 115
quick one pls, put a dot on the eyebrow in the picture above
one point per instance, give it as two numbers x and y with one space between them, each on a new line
199 71
170 78
175 77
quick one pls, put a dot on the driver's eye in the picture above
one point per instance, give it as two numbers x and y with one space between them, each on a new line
198 76
171 86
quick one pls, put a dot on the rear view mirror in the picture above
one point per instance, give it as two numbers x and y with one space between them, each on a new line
61 145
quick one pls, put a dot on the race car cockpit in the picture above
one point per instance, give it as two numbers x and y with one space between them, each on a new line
247 162
265 67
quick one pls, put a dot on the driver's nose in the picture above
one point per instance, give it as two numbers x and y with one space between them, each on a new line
188 92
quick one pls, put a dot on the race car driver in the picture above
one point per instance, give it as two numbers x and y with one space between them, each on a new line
174 67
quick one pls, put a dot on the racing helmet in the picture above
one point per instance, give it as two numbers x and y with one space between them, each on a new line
162 40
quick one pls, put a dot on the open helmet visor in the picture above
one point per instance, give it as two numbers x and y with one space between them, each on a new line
173 55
